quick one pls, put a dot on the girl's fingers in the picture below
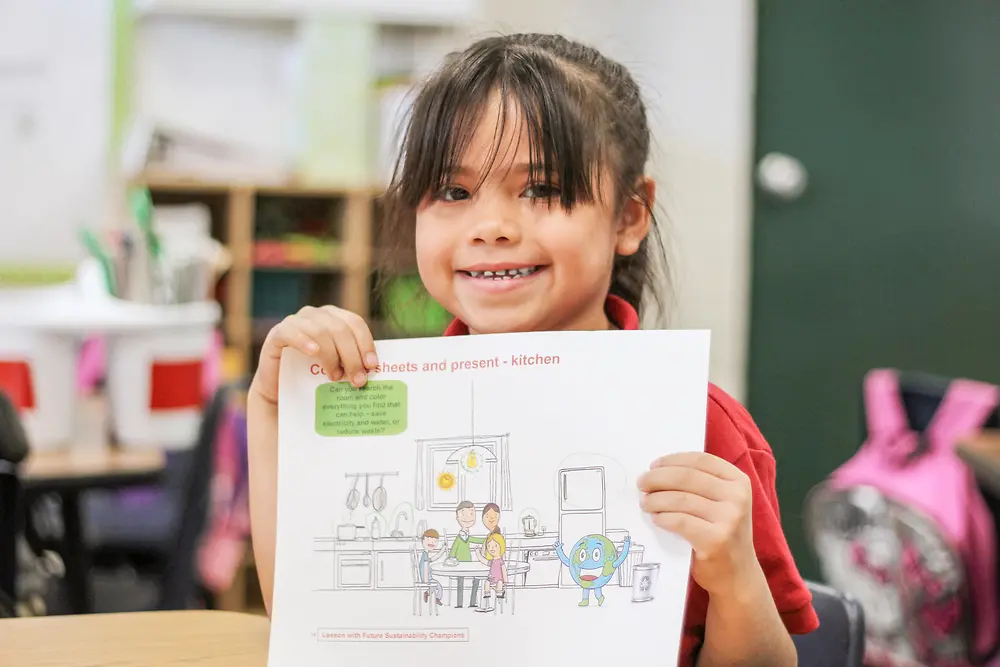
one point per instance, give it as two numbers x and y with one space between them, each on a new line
678 502
290 333
347 346
703 461
341 341
685 479
363 337
314 322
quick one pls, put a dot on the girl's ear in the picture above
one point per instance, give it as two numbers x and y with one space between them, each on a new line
636 218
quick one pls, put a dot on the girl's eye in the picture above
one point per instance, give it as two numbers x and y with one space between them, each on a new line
540 191
452 193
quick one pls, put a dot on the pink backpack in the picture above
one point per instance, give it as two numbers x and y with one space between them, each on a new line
903 528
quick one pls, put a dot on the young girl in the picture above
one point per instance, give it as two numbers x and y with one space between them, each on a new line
492 555
522 187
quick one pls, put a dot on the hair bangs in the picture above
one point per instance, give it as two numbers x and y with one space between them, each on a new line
540 101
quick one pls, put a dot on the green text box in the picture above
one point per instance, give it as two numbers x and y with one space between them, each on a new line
378 408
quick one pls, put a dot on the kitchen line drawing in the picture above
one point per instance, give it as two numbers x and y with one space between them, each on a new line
460 477
380 555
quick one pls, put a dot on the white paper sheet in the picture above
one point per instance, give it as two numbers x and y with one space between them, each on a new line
554 429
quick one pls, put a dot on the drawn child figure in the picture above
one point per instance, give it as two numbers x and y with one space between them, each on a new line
491 517
461 551
492 554
432 551
522 194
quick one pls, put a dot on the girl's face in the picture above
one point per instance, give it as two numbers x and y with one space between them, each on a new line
494 548
496 255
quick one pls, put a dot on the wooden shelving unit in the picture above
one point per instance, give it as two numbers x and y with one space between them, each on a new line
412 37
235 207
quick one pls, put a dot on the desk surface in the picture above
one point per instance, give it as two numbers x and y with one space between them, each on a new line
91 461
148 639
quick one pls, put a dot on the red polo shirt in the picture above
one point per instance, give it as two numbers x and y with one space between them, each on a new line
731 434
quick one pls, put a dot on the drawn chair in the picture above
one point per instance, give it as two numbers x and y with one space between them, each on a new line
421 587
500 603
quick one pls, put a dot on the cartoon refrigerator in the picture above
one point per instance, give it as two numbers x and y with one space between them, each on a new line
581 509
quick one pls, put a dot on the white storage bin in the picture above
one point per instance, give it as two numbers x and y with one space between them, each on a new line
155 374
38 372
38 361
155 360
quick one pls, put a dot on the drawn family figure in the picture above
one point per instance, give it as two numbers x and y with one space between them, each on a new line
491 517
492 554
465 514
432 551
592 563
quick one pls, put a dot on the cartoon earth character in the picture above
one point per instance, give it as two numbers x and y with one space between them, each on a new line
592 562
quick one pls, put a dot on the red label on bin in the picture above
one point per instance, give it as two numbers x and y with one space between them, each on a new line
175 385
15 381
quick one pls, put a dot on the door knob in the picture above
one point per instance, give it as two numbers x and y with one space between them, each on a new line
782 176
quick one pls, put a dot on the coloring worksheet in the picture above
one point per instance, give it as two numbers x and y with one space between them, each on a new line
476 502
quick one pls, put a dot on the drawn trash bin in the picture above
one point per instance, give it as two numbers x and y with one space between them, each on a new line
635 555
644 577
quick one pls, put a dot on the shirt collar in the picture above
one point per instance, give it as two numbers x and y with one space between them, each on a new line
618 309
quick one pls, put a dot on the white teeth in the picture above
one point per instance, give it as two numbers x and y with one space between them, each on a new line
504 274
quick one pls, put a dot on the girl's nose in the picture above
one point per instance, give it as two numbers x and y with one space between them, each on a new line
496 226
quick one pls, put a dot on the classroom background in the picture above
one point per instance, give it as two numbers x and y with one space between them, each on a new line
178 175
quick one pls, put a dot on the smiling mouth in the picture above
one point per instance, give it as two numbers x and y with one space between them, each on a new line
590 574
504 274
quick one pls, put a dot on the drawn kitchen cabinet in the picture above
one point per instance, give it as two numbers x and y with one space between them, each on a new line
463 468
354 570
393 570
325 566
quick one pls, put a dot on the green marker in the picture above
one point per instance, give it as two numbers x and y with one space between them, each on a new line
142 210
97 250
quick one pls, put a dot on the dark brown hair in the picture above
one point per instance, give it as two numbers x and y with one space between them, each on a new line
585 120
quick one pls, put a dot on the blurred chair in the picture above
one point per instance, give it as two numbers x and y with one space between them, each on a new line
180 579
840 639
12 450
164 554
10 500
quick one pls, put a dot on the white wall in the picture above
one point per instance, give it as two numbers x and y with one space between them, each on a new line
695 60
54 94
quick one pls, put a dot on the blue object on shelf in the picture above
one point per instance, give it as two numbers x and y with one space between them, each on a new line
277 294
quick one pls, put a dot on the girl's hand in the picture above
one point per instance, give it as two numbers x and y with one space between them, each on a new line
340 341
707 501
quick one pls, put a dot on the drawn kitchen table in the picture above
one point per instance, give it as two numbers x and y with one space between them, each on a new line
474 570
